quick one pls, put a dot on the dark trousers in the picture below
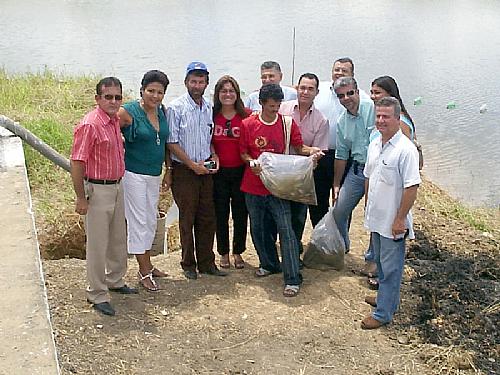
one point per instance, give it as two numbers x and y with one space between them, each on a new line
323 183
193 195
229 198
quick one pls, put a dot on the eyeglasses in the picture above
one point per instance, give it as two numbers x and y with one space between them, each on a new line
111 97
348 93
229 131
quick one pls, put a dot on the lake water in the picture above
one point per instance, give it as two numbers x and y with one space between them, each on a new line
440 50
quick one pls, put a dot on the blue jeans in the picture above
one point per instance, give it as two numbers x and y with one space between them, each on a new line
390 259
350 194
369 254
299 215
260 209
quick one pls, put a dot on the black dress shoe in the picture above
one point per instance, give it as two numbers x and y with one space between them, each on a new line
192 275
104 308
124 290
214 271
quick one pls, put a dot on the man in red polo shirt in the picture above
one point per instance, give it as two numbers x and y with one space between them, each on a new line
97 166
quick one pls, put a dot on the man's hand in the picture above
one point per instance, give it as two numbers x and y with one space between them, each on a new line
335 196
199 168
81 206
256 170
398 227
166 183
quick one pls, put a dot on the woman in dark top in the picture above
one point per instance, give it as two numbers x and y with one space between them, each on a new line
228 113
145 130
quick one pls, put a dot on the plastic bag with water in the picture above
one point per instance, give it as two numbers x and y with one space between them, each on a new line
288 176
327 248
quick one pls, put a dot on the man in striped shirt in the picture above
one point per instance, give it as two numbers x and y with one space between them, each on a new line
97 166
190 120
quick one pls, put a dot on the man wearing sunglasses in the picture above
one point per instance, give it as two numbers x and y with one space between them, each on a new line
392 180
354 127
97 167
329 105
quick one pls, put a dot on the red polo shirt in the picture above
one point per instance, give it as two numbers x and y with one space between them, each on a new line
98 143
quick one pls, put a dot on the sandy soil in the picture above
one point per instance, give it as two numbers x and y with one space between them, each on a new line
243 325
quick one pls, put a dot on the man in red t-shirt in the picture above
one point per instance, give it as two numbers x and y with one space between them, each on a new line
260 133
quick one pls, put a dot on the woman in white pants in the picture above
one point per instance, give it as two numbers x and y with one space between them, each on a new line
145 130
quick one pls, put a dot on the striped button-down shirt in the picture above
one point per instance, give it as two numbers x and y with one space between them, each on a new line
98 143
191 127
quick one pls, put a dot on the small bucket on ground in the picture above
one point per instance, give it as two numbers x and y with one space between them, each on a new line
158 246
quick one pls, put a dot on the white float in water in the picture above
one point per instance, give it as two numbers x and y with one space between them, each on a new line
483 108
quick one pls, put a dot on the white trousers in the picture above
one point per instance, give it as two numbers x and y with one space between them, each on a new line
142 193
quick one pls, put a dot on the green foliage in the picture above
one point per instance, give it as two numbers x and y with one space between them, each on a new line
49 106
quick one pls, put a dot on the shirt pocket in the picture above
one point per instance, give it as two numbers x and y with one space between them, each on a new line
388 174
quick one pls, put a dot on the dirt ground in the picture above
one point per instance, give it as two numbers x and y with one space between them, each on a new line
243 325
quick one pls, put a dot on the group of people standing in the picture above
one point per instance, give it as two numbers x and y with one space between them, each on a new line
210 156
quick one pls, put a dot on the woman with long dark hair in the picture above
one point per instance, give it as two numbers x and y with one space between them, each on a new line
386 86
228 113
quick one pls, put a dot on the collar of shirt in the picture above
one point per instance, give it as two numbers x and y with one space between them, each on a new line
105 118
393 141
204 105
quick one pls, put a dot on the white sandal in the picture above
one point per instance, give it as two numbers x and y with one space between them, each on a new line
149 276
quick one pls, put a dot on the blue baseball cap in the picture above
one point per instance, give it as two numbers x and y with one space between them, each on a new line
196 65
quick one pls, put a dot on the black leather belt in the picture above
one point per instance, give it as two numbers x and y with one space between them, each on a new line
103 182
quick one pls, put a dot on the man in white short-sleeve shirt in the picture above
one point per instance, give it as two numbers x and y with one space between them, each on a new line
392 180
270 72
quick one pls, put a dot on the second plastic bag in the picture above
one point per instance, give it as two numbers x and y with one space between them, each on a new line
288 176
326 249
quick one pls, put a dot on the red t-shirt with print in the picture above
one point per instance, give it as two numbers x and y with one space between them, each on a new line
227 147
256 138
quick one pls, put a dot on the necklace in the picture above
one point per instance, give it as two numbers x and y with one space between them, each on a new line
141 103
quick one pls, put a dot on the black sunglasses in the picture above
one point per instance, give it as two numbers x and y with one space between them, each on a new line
229 131
348 93
110 97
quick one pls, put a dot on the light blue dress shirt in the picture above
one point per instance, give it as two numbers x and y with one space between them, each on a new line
353 132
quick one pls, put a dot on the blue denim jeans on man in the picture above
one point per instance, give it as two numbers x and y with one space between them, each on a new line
350 194
260 208
390 258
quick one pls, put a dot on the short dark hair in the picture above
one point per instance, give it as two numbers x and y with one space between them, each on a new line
271 91
196 73
345 81
344 60
107 82
310 76
270 65
390 101
155 76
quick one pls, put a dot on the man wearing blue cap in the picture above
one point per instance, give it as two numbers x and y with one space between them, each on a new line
191 125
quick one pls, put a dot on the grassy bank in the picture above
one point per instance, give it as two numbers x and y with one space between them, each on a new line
50 106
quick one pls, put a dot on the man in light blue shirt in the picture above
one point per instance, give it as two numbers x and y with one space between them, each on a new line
190 121
354 127
329 105
270 72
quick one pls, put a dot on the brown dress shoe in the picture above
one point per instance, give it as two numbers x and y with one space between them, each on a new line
371 323
371 301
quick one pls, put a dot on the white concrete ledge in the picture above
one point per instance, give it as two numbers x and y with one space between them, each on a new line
26 335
